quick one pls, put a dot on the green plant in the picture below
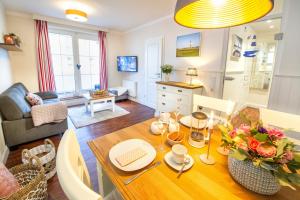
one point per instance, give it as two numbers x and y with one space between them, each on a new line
166 69
268 148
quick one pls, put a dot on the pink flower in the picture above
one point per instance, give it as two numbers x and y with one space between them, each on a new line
233 133
253 143
242 146
287 156
266 150
245 128
275 133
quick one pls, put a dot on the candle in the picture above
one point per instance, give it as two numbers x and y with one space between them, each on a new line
211 121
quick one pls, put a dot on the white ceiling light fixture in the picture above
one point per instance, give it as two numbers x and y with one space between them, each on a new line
76 15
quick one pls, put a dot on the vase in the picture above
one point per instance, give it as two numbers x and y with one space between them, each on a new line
256 179
166 77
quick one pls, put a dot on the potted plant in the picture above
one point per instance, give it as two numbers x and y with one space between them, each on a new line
166 70
11 38
261 159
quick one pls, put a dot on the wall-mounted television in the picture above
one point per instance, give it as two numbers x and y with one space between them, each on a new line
127 63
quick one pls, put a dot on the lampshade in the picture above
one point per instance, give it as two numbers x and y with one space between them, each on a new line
191 71
208 14
76 15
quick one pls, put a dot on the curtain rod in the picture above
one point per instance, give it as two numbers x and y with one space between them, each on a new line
68 23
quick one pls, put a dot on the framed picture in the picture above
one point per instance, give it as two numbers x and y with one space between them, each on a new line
237 44
188 45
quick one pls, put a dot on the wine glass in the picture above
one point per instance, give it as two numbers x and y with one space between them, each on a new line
162 127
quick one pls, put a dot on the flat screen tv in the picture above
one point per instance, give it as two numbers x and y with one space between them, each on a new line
127 63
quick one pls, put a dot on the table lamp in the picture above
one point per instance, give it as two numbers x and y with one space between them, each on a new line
191 71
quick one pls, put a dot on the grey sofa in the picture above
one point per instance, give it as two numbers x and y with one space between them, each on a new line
17 123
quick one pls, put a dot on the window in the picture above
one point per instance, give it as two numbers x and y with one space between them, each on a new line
75 59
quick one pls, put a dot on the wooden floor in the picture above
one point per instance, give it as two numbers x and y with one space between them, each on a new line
138 113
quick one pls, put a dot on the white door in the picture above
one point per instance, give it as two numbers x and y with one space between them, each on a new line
153 62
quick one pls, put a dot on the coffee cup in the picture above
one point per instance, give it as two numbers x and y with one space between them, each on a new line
165 117
179 153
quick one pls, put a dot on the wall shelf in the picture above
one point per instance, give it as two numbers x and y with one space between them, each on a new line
10 47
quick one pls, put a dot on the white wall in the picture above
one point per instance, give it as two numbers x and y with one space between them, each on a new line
210 63
5 77
24 64
285 95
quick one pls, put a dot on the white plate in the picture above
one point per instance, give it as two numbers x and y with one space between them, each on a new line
169 160
186 120
128 145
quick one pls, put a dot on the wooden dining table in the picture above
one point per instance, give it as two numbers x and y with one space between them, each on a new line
205 182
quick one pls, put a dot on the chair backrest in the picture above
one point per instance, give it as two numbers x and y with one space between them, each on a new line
221 105
280 119
72 171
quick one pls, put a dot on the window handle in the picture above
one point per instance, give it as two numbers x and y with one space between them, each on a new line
78 66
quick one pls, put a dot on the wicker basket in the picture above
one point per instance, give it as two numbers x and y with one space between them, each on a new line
254 178
46 155
31 177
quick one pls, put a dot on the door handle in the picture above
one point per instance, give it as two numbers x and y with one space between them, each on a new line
78 66
228 78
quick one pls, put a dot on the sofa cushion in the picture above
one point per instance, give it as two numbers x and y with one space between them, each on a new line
34 99
13 104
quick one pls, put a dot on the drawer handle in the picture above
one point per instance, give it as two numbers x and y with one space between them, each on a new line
179 90
164 95
163 104
179 99
164 88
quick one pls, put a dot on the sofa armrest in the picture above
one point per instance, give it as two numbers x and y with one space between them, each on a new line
47 95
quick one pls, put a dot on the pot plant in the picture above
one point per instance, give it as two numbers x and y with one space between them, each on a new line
12 38
166 70
261 159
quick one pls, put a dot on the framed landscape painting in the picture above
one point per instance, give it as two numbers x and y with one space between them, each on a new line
188 45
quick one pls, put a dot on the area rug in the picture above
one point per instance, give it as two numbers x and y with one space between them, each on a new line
80 117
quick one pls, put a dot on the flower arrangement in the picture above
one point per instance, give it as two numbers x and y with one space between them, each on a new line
267 148
167 69
12 38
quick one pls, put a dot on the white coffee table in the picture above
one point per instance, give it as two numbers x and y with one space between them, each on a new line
91 100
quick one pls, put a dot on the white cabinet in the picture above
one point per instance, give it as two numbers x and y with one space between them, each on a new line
173 97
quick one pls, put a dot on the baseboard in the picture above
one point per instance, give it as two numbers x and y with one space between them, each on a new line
4 155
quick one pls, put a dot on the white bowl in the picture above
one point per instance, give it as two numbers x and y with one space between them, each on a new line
154 128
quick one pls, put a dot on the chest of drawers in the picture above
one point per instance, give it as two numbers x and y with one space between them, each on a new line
171 96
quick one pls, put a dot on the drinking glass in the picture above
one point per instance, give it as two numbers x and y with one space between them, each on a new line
163 127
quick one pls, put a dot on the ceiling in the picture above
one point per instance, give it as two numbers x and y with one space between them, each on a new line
268 26
118 15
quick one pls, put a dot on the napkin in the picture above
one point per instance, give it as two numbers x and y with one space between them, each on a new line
130 156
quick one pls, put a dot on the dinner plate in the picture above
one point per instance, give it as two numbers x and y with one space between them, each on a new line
169 160
127 146
186 120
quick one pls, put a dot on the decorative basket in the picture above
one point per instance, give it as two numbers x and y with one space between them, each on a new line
99 93
31 177
254 178
46 155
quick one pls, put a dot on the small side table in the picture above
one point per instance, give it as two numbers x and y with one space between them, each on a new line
105 99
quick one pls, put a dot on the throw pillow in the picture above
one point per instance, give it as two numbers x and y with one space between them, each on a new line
34 99
8 183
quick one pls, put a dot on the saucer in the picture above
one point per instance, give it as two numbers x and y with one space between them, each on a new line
169 160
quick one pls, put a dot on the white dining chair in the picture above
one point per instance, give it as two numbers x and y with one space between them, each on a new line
72 171
280 119
223 106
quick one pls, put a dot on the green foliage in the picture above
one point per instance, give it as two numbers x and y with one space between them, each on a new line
262 137
166 69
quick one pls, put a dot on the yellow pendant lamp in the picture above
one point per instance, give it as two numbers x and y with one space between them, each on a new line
208 14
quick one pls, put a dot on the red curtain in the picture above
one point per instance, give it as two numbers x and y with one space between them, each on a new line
45 70
102 60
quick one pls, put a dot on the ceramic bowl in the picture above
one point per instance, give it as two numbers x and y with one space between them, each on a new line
171 141
154 128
